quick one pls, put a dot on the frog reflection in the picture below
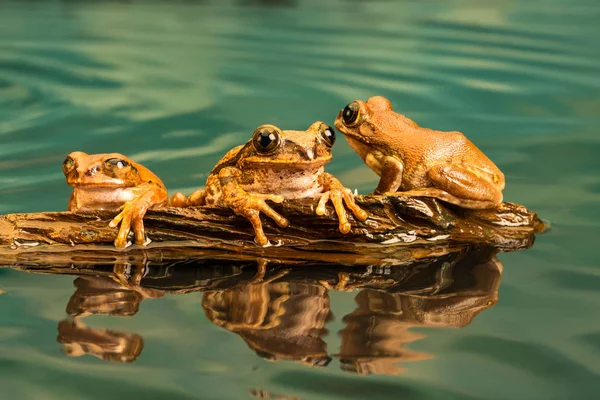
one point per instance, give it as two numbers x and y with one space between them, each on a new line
283 317
77 339
105 295
279 320
377 331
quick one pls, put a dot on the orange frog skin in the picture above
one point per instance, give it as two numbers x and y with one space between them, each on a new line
114 182
416 161
276 165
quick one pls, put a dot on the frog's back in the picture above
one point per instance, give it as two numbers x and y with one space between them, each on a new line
229 160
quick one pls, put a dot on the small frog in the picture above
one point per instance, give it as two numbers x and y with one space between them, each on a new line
416 161
276 165
114 182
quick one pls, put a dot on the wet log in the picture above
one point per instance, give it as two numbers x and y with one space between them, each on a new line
398 229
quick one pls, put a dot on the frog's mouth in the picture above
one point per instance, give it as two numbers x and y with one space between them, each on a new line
258 163
98 186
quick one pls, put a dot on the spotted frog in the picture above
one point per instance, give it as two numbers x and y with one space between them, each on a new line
417 161
273 166
114 182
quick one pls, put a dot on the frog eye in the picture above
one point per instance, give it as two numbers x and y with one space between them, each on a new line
328 134
351 114
116 164
68 165
266 139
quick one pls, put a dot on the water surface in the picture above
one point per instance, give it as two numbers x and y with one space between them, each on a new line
174 85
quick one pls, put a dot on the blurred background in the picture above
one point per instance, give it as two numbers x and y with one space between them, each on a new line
176 84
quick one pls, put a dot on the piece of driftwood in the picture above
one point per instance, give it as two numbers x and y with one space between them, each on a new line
398 229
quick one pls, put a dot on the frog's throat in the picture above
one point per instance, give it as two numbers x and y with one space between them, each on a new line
361 148
291 182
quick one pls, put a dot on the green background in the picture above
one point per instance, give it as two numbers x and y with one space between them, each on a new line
176 84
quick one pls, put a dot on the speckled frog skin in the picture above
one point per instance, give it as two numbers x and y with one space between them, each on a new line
272 166
114 182
416 161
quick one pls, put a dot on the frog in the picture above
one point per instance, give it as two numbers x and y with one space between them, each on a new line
415 161
276 165
112 181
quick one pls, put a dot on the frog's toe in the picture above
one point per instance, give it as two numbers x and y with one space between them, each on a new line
178 200
274 215
275 198
261 239
121 240
125 219
358 212
259 235
338 204
345 227
140 232
321 207
116 220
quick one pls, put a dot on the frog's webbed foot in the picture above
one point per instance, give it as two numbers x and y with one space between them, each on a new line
339 195
250 205
131 217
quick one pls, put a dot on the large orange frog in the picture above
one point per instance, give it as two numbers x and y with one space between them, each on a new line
417 161
275 165
114 182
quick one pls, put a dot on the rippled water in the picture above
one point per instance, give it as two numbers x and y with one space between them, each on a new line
174 85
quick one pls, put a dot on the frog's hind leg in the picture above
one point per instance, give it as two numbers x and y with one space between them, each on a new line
461 186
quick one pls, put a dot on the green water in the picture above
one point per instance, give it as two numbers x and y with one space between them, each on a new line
174 85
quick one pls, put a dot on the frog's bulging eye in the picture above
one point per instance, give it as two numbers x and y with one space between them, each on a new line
266 139
68 165
328 134
116 164
351 114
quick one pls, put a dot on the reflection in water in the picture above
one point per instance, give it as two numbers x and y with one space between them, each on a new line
264 394
78 339
283 316
376 333
278 320
103 295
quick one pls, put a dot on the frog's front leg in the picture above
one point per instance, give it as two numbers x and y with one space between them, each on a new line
132 214
338 194
249 205
388 168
